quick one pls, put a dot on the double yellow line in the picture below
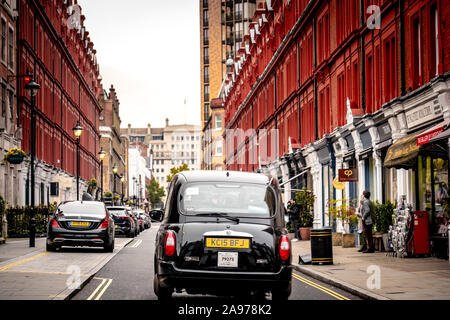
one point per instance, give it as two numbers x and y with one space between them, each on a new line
108 283
319 287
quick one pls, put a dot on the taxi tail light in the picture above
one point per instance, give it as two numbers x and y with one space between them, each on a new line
285 248
169 244
104 225
54 223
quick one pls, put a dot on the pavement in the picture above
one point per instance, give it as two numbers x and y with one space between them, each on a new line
378 276
35 274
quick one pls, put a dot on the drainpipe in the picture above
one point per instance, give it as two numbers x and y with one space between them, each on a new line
363 61
316 122
402 48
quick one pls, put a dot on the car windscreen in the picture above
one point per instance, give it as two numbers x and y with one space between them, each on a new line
233 199
117 212
85 209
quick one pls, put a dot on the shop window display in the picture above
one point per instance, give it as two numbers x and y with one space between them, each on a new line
433 192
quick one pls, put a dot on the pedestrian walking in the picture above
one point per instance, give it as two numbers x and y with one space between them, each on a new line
293 211
366 214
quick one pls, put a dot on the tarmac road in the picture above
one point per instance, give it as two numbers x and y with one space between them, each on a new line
129 276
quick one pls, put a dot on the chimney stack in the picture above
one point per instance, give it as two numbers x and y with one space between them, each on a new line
149 129
167 122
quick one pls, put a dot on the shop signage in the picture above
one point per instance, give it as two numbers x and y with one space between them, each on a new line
424 139
338 185
348 175
423 113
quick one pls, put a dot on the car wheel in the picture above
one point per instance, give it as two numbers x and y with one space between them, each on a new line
162 293
50 248
282 294
130 234
109 247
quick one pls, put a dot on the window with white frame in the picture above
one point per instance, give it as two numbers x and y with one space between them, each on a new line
218 122
219 148
11 48
3 53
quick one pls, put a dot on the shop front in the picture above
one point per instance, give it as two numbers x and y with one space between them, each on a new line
424 163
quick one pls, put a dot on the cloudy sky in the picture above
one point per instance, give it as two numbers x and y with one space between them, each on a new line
150 51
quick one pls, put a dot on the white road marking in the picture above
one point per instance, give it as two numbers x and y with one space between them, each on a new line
136 244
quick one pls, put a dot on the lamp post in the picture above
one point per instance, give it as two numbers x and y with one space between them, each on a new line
134 188
77 131
102 155
115 169
32 88
122 179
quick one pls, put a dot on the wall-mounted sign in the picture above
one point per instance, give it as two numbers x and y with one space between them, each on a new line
338 185
423 113
348 175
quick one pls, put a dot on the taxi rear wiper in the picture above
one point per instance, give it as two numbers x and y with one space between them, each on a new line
219 214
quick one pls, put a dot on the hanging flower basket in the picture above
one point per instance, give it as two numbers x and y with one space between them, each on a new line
15 156
92 183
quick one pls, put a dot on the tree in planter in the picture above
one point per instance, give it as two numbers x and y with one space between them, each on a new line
383 216
92 185
305 201
343 210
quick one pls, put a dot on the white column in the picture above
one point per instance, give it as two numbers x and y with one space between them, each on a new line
378 178
287 186
402 184
316 173
361 178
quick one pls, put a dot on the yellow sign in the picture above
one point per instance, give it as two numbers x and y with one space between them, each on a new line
227 243
338 185
80 224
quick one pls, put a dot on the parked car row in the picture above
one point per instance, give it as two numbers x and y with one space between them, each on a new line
93 224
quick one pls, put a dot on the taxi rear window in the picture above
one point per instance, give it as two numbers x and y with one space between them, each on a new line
234 199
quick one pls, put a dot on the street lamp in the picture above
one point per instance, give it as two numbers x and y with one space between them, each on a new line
102 155
77 131
32 87
114 169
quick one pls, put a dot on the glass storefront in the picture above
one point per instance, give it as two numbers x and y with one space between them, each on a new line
432 188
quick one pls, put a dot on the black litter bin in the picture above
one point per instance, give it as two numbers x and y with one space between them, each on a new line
321 246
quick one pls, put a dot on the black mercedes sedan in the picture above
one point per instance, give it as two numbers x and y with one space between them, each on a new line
223 233
81 223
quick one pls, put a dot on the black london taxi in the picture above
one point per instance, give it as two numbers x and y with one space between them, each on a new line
223 233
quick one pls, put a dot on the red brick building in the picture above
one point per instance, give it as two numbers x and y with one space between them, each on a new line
341 81
56 48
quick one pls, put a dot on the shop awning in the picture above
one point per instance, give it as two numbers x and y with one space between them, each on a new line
430 134
403 153
443 135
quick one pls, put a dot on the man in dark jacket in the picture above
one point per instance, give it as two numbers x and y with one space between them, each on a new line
293 211
367 209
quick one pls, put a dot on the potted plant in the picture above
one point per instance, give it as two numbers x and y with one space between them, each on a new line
383 219
305 200
343 210
334 214
92 185
15 156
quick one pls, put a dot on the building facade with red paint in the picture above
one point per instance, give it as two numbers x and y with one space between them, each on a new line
55 47
326 85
